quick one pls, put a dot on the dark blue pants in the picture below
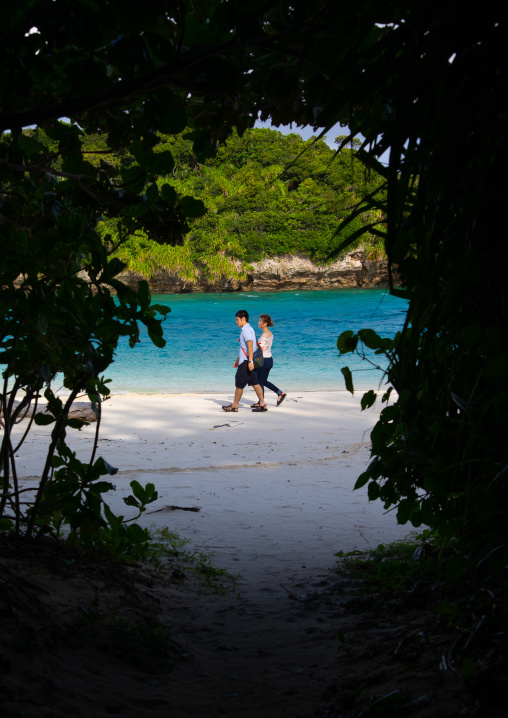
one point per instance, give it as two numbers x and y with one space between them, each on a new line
263 372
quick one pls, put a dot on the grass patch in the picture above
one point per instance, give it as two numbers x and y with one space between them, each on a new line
172 558
464 605
393 567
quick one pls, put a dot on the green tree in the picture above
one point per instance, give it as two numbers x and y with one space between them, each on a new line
276 194
265 194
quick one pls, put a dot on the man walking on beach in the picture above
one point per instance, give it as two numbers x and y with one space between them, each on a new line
245 372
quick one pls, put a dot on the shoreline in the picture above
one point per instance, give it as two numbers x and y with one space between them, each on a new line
277 274
359 391
168 394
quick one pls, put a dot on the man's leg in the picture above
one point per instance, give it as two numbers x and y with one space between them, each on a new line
259 392
238 396
240 382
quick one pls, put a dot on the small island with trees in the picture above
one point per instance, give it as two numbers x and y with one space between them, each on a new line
274 204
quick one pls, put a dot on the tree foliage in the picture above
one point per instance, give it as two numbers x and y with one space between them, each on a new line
266 194
277 194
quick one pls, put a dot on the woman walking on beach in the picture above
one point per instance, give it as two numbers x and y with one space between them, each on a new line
265 342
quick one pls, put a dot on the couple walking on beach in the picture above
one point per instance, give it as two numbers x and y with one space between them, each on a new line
245 371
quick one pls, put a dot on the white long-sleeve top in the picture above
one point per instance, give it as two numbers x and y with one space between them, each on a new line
265 342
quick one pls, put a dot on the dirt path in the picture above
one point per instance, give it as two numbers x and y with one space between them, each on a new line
81 640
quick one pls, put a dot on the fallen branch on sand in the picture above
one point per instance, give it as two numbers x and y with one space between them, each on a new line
231 426
175 508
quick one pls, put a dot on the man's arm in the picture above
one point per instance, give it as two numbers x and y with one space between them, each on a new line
250 351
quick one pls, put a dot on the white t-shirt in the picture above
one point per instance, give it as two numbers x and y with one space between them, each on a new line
248 335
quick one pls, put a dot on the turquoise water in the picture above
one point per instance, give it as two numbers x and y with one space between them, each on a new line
201 336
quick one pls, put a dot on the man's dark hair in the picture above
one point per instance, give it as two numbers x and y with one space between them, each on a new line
242 313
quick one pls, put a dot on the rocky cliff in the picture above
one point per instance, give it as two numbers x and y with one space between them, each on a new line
279 273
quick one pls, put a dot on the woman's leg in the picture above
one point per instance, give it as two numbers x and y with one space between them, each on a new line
269 384
280 394
274 388
263 372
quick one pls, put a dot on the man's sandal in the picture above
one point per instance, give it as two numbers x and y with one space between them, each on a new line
260 408
229 407
255 406
281 398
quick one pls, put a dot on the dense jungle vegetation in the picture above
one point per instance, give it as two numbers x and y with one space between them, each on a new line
266 194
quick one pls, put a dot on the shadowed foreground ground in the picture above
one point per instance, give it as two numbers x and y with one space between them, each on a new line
82 639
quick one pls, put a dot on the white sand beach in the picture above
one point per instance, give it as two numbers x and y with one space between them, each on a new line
275 489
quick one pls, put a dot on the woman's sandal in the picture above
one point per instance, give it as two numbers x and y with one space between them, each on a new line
229 407
281 398
260 408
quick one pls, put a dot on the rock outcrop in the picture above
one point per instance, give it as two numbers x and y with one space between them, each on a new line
279 273
79 410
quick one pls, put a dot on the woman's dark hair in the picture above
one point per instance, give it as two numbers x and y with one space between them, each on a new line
242 313
266 319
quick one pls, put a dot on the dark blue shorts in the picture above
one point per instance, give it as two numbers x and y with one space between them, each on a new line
244 376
